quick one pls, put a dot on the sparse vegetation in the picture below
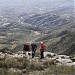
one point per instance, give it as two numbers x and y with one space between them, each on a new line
4 50
27 21
48 63
20 66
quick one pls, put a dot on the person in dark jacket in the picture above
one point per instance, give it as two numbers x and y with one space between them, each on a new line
33 47
42 48
26 48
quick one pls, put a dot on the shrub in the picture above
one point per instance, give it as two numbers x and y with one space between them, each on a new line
1 64
36 66
14 72
25 63
20 63
4 50
3 71
11 63
48 63
20 60
49 55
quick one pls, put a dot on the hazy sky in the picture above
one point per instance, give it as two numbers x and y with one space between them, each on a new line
34 1
32 5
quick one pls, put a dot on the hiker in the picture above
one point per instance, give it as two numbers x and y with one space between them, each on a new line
42 48
26 48
33 47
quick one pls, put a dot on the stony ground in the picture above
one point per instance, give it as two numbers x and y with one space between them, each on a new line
36 66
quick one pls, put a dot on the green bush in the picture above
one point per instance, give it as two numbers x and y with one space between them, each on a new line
4 50
1 64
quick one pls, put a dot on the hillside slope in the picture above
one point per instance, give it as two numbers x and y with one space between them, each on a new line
49 20
61 40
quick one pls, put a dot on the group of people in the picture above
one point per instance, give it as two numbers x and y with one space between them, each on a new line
33 48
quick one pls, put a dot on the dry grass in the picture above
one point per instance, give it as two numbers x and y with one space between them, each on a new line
22 66
48 63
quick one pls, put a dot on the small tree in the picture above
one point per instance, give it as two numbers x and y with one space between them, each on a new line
4 50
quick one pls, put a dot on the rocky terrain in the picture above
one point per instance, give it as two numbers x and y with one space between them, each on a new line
41 64
49 21
49 56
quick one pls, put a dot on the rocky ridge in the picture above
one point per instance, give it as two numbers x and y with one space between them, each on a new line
49 56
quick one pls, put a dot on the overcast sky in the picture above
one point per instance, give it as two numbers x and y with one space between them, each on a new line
33 5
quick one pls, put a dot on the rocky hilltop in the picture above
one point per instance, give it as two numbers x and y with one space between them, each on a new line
18 62
49 56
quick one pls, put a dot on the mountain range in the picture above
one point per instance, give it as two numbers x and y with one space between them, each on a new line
50 21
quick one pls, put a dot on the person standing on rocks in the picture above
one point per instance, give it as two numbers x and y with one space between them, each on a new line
42 48
33 47
26 48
